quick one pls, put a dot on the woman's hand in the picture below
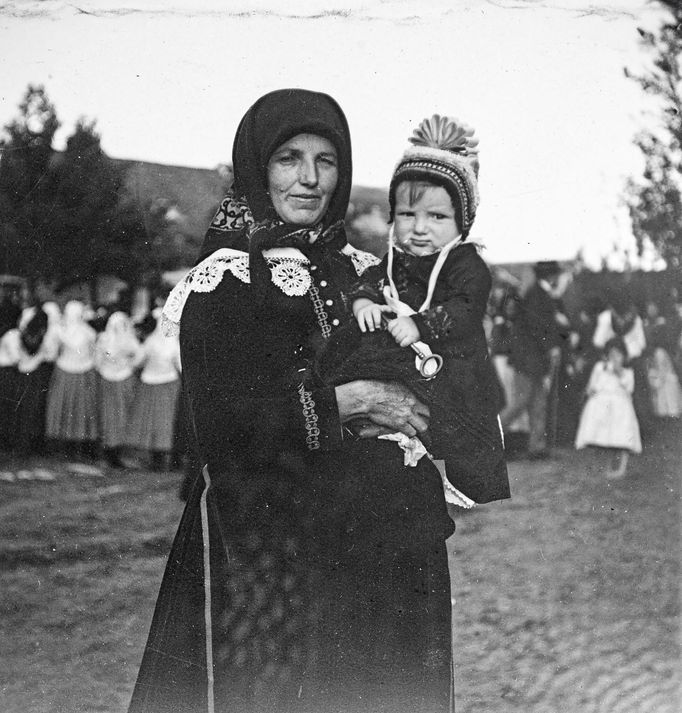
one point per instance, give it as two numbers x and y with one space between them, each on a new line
381 407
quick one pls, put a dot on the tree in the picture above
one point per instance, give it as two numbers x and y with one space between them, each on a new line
26 198
94 235
61 215
655 199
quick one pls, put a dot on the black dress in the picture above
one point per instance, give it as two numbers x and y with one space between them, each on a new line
465 397
324 557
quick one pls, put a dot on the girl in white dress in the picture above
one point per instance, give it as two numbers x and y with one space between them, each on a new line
608 420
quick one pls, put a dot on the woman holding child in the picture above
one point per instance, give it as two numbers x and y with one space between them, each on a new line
309 572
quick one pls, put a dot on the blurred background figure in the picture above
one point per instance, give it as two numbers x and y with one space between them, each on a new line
39 341
664 383
504 314
10 353
535 353
152 420
579 356
71 418
117 354
622 319
608 420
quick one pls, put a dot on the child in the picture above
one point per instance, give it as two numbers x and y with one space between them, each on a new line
432 289
608 418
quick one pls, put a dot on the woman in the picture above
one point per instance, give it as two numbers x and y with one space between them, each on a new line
38 351
10 354
152 416
309 572
117 354
71 417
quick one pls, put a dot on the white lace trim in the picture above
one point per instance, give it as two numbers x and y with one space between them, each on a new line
456 497
361 259
288 267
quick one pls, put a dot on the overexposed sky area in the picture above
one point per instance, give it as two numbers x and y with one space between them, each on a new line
541 81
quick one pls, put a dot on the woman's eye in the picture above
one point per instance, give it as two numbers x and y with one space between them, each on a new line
285 158
327 160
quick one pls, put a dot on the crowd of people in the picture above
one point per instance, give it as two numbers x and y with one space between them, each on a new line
87 384
96 385
603 377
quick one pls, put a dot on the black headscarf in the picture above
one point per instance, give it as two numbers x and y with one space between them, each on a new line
34 332
271 121
247 219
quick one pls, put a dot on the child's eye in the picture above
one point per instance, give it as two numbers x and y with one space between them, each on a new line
405 213
439 216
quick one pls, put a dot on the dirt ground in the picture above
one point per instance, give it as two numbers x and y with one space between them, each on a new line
566 597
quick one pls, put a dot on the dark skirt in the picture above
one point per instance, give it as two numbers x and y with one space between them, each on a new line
33 390
152 417
71 413
347 616
115 401
464 401
9 401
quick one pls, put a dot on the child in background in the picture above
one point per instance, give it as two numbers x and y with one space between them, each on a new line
608 420
432 289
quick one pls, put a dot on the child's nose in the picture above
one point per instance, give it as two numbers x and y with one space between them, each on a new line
420 224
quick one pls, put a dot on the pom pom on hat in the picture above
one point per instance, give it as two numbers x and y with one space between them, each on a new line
444 151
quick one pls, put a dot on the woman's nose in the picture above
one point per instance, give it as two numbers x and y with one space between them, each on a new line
307 174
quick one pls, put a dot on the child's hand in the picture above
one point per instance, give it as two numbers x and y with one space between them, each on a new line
404 331
369 316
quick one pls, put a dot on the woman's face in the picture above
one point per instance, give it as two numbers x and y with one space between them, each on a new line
302 177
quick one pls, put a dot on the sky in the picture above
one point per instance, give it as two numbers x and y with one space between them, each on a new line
541 81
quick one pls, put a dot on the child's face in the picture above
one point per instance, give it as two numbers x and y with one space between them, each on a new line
616 357
426 225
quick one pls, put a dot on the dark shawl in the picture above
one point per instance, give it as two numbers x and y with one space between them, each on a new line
272 120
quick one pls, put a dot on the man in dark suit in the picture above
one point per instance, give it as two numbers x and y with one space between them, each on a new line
536 339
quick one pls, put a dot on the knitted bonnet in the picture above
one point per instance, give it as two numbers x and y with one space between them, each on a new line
444 151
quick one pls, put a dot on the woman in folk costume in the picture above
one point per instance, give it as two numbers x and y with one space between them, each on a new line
152 414
39 349
431 291
71 414
10 354
309 572
117 353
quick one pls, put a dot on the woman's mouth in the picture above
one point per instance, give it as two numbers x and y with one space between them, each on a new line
306 198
